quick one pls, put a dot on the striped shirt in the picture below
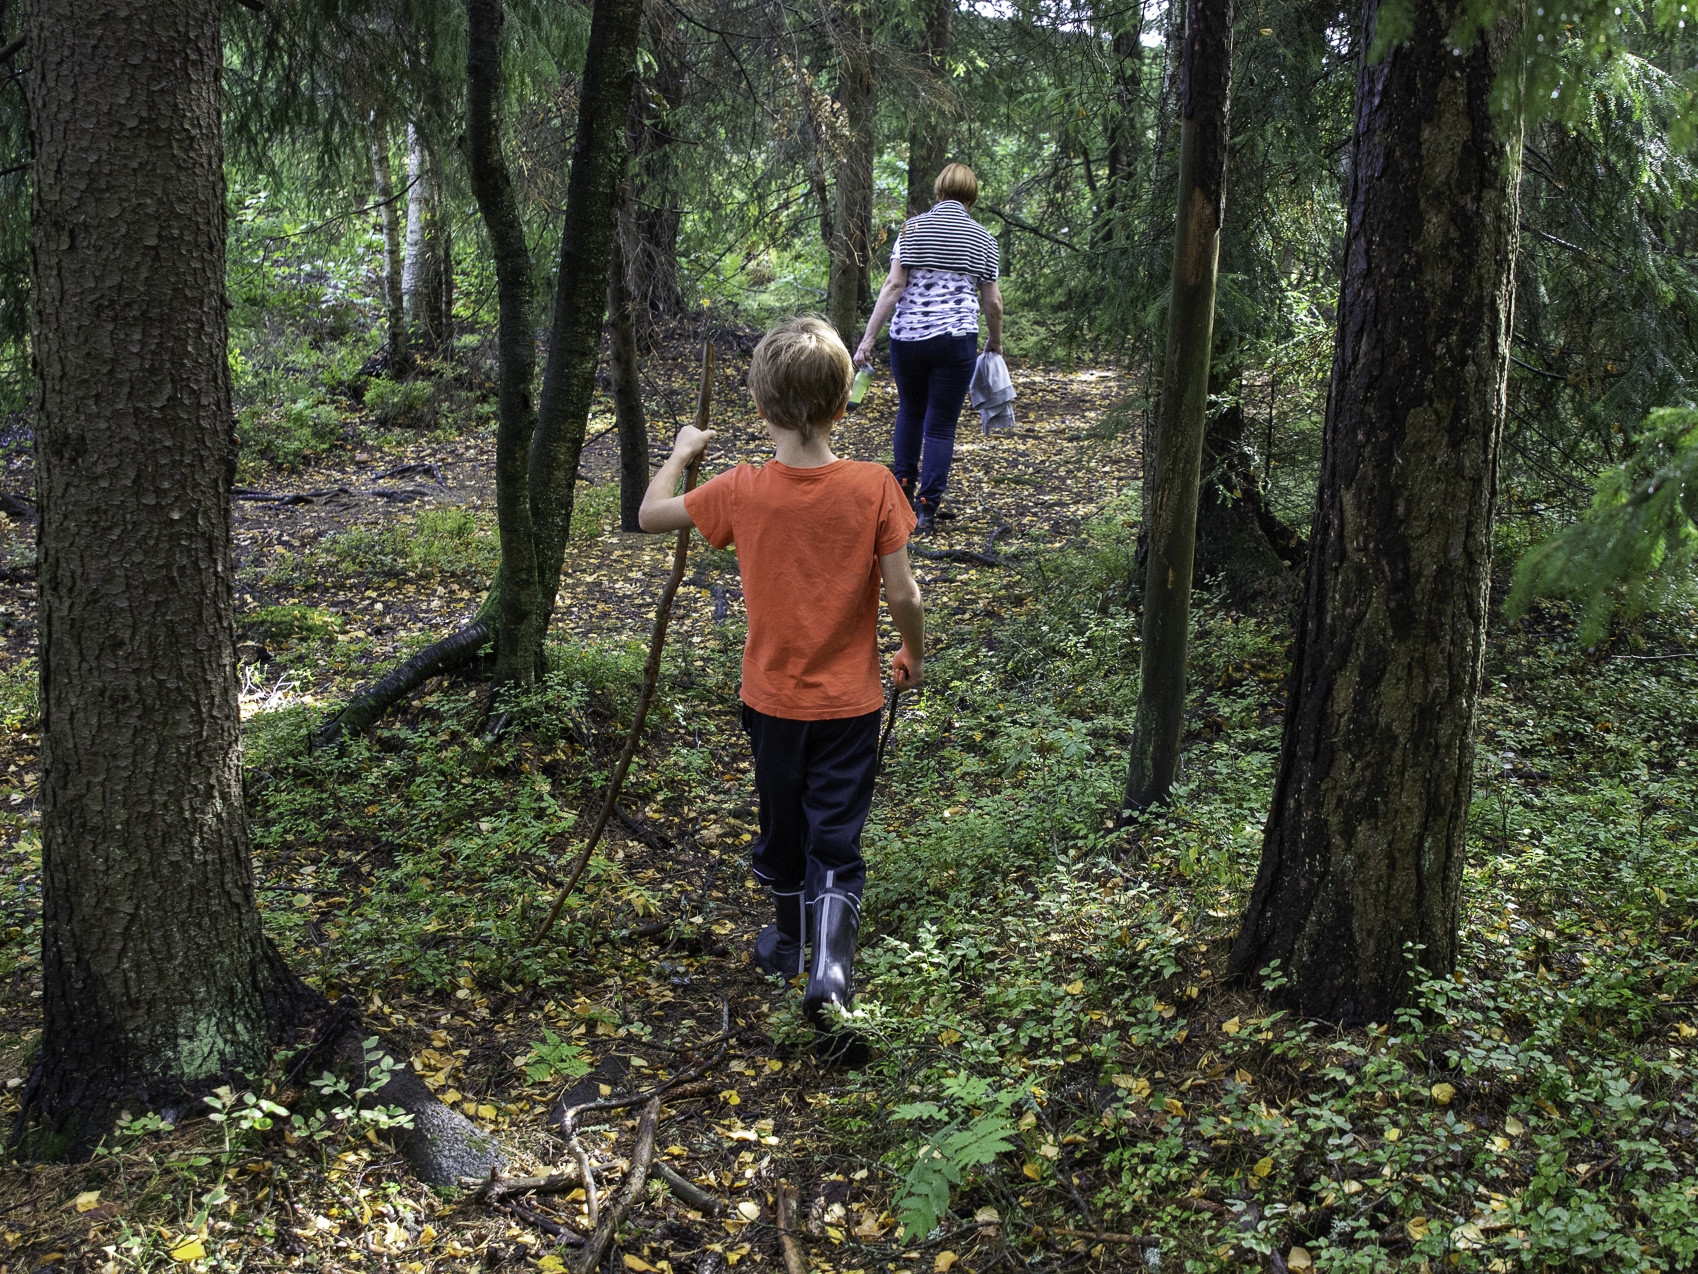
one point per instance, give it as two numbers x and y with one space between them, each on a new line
948 255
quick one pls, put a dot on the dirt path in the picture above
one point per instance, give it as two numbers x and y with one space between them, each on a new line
644 1000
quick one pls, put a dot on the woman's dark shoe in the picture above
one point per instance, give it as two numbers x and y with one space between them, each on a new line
907 485
779 948
926 512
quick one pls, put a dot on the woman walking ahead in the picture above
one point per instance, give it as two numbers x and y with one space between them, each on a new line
942 272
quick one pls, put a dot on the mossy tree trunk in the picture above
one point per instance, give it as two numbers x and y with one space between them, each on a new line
627 379
390 211
656 214
580 293
852 204
928 134
516 638
427 272
1174 452
157 979
1361 870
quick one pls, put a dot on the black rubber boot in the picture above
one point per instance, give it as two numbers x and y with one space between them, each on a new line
926 513
779 948
907 485
835 921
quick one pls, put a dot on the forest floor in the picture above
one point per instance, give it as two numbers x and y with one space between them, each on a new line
1062 1077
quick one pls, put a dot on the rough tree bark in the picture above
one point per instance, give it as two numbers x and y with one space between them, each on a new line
516 643
390 211
928 134
427 275
652 248
1174 452
1362 858
1120 157
852 205
580 293
1240 540
627 383
158 982
157 979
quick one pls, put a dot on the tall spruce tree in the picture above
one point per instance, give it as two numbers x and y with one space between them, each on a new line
1361 871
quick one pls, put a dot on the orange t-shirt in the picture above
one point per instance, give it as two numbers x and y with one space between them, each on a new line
808 544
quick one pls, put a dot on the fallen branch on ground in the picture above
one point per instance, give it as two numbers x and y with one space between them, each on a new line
366 707
794 1261
690 1194
605 1233
1135 1240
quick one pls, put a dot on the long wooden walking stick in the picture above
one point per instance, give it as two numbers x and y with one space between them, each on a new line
651 670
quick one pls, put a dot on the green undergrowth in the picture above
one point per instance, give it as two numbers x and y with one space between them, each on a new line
425 851
1066 982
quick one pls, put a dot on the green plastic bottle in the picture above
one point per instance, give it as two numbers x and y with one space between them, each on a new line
858 390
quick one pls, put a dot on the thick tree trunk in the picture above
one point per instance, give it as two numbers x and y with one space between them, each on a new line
516 642
1361 868
1241 541
627 384
852 206
157 979
1170 513
652 251
1124 125
580 293
390 211
928 135
427 277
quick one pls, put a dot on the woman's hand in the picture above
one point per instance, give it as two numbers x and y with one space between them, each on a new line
864 351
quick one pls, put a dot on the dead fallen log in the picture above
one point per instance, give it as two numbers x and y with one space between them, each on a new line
365 708
420 469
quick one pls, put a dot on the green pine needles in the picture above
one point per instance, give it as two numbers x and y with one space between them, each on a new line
1636 548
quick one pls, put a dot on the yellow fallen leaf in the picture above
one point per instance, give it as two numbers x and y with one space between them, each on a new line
773 1064
730 1098
88 1201
948 1036
1140 1088
552 1265
606 1089
749 1210
1073 988
1031 1170
1231 1026
986 1216
487 1112
1500 1143
1353 1187
1123 1080
193 1250
637 1263
1165 1010
1392 1134
454 1096
1514 1127
1416 1227
1244 1077
1263 1166
944 1261
1174 1106
1299 1259
1442 1093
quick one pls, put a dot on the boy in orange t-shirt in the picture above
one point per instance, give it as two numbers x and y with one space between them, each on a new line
815 537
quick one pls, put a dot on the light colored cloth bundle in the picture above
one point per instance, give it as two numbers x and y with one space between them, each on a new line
992 392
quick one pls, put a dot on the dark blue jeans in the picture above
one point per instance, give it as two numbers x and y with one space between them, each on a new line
931 384
815 780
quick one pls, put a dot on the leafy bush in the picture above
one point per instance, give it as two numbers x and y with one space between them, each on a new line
291 436
434 541
410 404
289 623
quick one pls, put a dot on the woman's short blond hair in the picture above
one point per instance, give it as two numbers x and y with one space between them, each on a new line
800 375
956 181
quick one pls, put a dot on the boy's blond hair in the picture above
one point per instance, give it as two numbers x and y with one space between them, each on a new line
800 375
